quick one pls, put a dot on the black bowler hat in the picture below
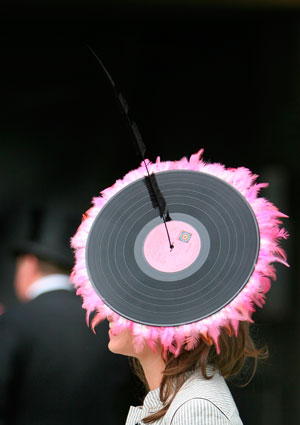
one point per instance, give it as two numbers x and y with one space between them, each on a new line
47 234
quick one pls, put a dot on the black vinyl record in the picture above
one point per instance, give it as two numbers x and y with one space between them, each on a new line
216 239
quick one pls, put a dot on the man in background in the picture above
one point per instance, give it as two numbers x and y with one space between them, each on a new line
53 369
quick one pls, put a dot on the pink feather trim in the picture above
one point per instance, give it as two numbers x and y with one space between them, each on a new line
239 309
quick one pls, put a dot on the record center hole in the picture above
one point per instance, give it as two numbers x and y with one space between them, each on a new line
186 247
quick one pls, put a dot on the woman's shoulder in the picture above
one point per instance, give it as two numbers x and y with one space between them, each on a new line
197 411
203 401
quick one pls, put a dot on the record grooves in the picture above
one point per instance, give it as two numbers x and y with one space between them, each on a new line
216 247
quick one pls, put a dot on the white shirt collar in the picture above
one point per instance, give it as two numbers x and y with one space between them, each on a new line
49 283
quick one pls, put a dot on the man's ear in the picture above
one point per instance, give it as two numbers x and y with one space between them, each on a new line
27 272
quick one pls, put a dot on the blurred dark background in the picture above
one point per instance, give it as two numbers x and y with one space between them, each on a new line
224 76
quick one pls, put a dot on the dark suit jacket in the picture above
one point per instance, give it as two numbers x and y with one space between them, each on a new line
54 370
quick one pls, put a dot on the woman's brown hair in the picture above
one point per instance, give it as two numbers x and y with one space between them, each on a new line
234 351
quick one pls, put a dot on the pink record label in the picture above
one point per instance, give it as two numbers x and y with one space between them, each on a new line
186 242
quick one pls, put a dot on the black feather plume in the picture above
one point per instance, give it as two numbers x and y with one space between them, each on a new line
157 199
123 106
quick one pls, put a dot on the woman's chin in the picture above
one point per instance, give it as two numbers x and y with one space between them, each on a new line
116 348
112 345
121 343
112 348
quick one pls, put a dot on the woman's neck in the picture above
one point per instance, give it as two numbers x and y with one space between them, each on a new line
153 367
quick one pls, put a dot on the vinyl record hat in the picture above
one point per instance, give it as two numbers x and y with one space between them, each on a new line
203 268
177 250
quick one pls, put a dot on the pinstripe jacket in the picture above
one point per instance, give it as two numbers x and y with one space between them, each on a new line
198 402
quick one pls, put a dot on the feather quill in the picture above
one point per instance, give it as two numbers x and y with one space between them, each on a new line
158 201
155 194
124 109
